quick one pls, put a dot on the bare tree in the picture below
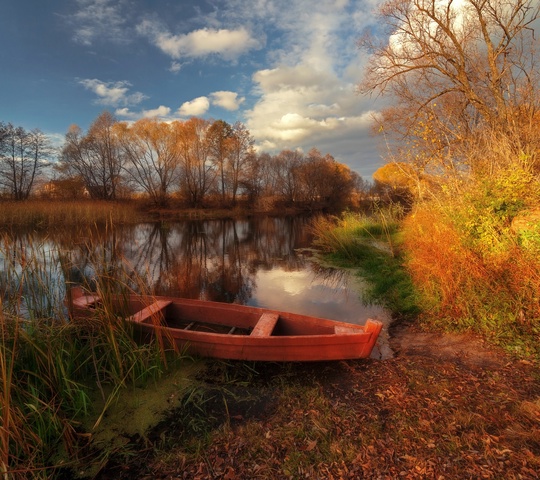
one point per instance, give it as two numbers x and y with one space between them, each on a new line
197 172
240 146
456 69
23 155
96 157
153 160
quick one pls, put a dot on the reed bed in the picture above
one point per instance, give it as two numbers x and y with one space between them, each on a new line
46 214
50 365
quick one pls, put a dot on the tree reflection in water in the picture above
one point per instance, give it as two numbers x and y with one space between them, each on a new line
253 261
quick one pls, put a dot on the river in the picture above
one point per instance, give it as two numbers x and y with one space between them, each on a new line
264 262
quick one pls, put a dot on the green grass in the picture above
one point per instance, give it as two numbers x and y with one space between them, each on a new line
370 244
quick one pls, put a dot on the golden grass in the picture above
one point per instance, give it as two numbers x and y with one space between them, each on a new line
47 214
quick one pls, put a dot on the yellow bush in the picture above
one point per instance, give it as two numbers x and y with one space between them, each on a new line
475 258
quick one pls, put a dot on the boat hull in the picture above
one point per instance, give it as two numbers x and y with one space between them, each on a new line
236 332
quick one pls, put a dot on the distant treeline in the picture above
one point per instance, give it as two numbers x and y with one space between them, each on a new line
197 162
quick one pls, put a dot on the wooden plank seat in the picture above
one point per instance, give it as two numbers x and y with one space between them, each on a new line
265 325
149 311
86 301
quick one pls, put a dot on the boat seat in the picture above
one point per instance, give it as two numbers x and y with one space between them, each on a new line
150 310
86 301
265 325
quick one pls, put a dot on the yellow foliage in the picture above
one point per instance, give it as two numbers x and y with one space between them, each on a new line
396 175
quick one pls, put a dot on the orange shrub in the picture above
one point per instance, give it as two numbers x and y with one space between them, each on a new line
443 270
464 283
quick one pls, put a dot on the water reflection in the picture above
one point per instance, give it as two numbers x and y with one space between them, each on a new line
253 261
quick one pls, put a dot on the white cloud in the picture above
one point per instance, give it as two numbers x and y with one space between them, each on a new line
99 19
297 108
125 112
301 103
300 76
175 67
112 93
161 111
227 100
195 107
227 43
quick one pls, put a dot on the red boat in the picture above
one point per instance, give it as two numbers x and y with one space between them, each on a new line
236 332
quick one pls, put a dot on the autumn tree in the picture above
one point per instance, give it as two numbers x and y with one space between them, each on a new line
397 182
23 155
326 183
197 172
65 188
257 178
94 157
286 166
152 156
456 70
219 136
240 148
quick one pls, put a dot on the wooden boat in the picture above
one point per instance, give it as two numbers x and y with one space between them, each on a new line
230 331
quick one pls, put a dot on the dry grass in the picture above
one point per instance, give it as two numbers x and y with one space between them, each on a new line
48 214
474 253
49 366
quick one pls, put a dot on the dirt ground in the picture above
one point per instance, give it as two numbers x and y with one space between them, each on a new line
445 406
464 349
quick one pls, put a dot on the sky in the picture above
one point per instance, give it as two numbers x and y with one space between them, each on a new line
287 69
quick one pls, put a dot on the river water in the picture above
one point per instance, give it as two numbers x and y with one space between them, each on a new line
264 262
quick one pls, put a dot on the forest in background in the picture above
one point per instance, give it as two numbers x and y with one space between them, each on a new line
198 163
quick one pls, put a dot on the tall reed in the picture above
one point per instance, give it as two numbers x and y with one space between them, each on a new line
50 365
47 214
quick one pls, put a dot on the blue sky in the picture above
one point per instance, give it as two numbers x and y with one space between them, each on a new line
286 68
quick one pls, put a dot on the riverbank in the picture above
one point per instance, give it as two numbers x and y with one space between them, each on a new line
46 214
446 406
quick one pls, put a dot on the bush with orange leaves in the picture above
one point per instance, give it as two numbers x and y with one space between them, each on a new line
475 257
